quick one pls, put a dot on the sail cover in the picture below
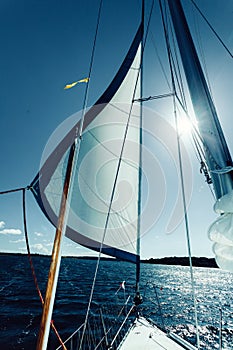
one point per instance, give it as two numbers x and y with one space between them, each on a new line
103 197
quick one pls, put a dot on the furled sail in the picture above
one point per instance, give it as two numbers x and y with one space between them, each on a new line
217 155
103 200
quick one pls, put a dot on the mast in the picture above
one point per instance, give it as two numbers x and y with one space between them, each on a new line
56 258
217 155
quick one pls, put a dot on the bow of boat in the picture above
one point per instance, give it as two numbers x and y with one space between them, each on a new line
145 335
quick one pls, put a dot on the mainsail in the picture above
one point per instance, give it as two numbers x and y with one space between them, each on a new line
103 200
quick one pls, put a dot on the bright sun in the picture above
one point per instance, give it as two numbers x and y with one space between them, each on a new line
185 127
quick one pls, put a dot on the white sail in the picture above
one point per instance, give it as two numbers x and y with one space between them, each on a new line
103 211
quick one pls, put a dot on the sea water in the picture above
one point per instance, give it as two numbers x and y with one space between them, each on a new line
167 294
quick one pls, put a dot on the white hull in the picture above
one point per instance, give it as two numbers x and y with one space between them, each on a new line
144 335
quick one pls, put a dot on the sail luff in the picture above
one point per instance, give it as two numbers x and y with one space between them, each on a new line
215 147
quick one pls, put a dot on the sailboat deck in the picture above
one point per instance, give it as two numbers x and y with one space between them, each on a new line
144 335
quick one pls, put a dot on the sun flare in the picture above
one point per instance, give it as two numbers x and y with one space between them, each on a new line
185 127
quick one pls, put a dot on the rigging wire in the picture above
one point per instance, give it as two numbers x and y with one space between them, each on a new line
181 175
89 75
169 53
202 54
198 139
182 102
212 28
178 79
178 75
186 223
80 136
108 213
107 332
13 190
153 41
137 297
156 97
173 61
196 144
198 149
123 308
112 196
159 60
73 156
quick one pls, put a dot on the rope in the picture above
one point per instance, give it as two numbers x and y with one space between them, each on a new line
71 336
28 249
14 190
33 269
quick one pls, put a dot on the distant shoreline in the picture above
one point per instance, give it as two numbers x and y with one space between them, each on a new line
183 261
175 260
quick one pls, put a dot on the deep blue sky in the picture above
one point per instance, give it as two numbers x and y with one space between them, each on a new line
46 44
